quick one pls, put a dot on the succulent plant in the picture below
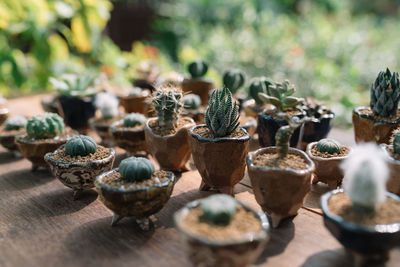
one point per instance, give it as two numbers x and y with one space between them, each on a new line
44 126
233 79
135 91
134 169
80 145
134 119
314 108
15 123
222 114
283 135
365 176
259 85
218 209
197 69
74 85
168 102
329 146
385 94
191 101
108 105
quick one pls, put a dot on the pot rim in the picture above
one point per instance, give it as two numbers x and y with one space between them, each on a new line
389 156
354 227
250 165
329 115
147 127
249 237
309 153
301 113
2 135
199 138
99 183
114 129
198 79
356 111
20 138
144 93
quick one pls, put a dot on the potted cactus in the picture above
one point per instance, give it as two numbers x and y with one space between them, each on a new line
196 84
77 163
255 105
280 176
135 101
362 216
44 133
222 231
377 122
193 108
234 79
12 127
129 134
135 190
327 155
392 152
220 136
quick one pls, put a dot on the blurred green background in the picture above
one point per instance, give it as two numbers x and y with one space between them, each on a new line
330 49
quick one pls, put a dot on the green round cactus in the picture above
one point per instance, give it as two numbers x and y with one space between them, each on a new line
395 141
45 126
80 145
192 101
15 123
134 119
197 69
136 169
329 146
233 79
218 209
259 85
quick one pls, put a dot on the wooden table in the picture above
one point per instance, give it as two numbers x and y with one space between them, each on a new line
40 224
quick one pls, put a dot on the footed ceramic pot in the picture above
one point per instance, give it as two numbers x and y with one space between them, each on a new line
393 184
235 253
280 192
171 151
77 111
317 129
4 113
79 175
133 103
221 162
103 130
367 242
132 140
199 86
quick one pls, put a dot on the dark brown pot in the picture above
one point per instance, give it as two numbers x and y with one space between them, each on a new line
132 140
172 151
49 103
135 103
200 87
280 192
197 115
4 113
393 184
221 162
366 129
7 140
103 130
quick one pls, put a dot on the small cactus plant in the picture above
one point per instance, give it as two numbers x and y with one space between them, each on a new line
218 209
329 146
395 141
45 126
74 85
283 135
259 85
134 169
168 103
135 91
191 101
134 119
15 123
222 114
197 69
80 145
233 79
108 105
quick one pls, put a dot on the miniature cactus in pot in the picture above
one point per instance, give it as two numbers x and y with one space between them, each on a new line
329 146
392 151
191 101
136 169
218 209
134 119
80 145
13 126
168 104
233 79
136 101
15 123
192 108
255 105
197 84
45 126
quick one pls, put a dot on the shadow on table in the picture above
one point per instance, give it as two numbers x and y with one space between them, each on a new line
24 179
335 257
8 157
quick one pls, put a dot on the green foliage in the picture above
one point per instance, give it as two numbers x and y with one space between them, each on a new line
136 169
395 141
329 146
15 123
74 85
191 101
197 69
259 85
218 209
283 135
134 119
44 126
80 145
233 79
222 114
168 103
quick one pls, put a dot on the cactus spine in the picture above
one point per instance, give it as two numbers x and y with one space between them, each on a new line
168 103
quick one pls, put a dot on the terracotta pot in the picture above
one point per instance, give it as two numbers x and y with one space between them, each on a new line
327 170
250 125
172 151
205 252
136 203
4 113
135 103
200 87
280 192
366 129
393 184
251 109
197 115
317 129
221 162
77 111
79 175
366 241
132 140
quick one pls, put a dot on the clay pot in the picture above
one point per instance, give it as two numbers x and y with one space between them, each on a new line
250 125
145 84
172 151
251 109
200 87
137 203
49 103
7 140
280 192
79 175
197 115
235 253
77 111
132 140
133 103
317 129
4 113
220 161
366 129
393 184
241 98
327 170
369 242
103 129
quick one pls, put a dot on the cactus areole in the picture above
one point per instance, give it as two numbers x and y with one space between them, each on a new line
168 103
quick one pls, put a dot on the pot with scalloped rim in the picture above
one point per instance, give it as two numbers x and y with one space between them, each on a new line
135 102
132 139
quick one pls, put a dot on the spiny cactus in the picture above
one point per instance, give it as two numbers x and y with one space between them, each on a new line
329 146
108 105
222 114
365 176
168 103
197 69
218 209
134 169
385 94
192 101
259 85
135 91
233 79
74 85
283 135
15 123
80 145
134 119
45 126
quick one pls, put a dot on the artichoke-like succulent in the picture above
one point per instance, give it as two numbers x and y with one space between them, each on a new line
329 146
385 94
80 145
168 102
283 135
233 79
222 114
45 126
15 123
395 141
134 119
74 85
259 85
218 209
197 69
134 169
191 101
108 105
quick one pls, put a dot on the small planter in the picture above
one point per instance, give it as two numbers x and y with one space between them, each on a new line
4 113
171 151
203 251
135 103
393 184
7 139
317 129
280 192
78 175
220 161
249 124
251 109
199 86
131 139
77 111
49 103
144 84
103 129
197 115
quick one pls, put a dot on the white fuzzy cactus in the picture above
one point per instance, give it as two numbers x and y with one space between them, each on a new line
365 176
108 105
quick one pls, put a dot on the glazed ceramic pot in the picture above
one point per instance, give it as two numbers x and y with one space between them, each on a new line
280 192
366 129
77 111
366 241
49 103
132 140
137 203
197 115
103 129
317 129
205 252
171 151
79 175
133 103
200 87
251 109
327 170
221 162
3 115
393 184
249 124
